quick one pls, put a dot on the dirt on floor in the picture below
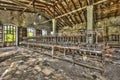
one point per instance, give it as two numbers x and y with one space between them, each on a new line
30 65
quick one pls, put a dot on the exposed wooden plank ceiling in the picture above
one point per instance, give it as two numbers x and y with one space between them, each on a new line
55 8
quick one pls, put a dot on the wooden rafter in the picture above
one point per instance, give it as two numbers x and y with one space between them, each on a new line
43 2
74 13
53 14
101 9
95 12
31 8
59 13
77 12
12 9
64 18
74 22
62 11
117 6
82 10
58 22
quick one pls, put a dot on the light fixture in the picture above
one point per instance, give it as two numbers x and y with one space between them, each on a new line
35 23
39 16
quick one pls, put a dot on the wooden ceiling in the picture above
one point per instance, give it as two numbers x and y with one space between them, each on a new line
67 12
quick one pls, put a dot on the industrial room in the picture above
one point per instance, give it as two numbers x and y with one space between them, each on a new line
59 39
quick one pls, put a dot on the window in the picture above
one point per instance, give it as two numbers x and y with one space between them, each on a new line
31 32
9 33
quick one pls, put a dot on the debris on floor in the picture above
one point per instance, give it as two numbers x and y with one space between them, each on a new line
26 64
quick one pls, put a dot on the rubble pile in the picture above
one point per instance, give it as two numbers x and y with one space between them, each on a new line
27 64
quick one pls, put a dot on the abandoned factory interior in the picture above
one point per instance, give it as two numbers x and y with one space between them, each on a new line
59 39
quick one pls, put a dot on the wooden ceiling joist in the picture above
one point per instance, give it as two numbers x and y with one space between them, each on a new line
117 6
68 20
58 10
74 22
30 8
77 12
67 12
82 10
58 13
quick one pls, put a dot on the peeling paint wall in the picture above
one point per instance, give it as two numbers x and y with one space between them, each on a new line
113 24
24 20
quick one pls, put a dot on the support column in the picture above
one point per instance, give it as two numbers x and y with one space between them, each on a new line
54 26
89 37
17 41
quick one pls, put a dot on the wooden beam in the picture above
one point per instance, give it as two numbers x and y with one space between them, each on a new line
28 6
88 2
61 12
14 9
6 55
61 25
65 11
31 8
101 9
62 18
74 13
79 9
66 19
109 8
58 14
43 2
74 22
36 4
53 14
76 8
95 12
117 6
8 3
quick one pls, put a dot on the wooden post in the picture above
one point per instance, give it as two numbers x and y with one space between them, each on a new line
52 51
64 52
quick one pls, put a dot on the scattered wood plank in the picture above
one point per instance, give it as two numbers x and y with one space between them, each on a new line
6 55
